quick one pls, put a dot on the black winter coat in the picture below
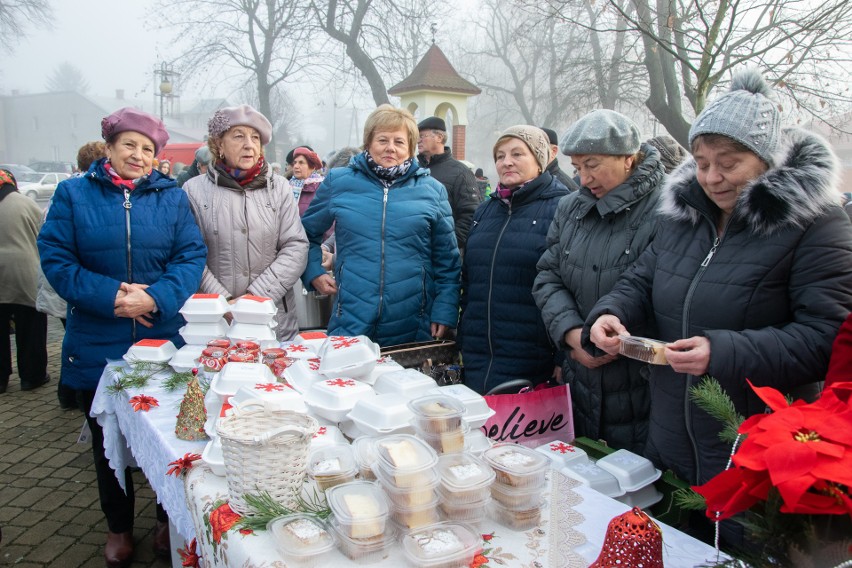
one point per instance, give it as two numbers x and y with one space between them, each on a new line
558 173
462 189
501 333
769 294
591 243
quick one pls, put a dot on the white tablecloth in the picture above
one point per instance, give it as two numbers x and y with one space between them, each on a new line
570 534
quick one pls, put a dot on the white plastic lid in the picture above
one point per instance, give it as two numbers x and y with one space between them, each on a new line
464 472
404 453
357 502
336 459
301 535
440 544
515 459
437 406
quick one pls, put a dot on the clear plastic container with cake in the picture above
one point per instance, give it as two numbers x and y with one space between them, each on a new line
407 461
651 351
517 498
365 455
517 466
416 496
303 540
437 413
360 510
363 551
448 442
408 518
441 545
516 520
471 513
477 410
465 478
332 465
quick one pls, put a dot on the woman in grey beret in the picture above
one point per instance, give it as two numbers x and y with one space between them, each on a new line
748 278
598 233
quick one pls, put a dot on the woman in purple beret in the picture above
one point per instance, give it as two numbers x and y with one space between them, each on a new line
248 217
121 246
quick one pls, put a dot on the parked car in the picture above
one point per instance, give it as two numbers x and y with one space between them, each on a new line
17 170
38 185
47 167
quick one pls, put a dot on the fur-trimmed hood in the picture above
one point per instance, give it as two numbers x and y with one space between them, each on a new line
799 188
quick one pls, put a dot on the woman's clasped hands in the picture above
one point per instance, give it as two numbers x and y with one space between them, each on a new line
132 301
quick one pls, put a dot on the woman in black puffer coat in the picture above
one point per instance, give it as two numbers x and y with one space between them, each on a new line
597 234
748 278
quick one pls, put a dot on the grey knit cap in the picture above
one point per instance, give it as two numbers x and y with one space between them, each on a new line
602 131
533 137
745 113
671 153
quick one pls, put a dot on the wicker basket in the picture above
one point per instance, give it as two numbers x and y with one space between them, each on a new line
265 450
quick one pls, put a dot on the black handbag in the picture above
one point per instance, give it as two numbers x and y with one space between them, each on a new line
414 355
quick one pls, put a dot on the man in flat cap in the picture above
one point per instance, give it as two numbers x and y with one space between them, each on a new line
553 166
456 177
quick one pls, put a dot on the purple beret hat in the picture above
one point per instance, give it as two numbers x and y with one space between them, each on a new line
226 118
129 119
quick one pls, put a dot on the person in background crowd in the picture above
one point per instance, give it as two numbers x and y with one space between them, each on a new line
501 335
121 246
456 177
483 186
307 176
20 220
249 219
397 270
672 154
553 166
47 300
748 278
276 168
165 167
598 233
177 169
198 166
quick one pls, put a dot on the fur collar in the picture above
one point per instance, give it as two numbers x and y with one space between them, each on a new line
798 189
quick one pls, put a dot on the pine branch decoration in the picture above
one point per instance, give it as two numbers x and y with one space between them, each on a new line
709 396
266 508
136 376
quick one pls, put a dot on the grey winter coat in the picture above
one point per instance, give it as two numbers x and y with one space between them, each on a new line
590 243
20 220
769 294
255 240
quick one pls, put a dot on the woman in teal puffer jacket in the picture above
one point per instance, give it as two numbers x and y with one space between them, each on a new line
397 270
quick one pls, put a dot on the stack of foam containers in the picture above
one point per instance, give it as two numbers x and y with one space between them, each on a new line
253 320
204 315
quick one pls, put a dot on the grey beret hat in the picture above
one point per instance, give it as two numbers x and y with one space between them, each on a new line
244 115
746 113
533 137
602 131
432 123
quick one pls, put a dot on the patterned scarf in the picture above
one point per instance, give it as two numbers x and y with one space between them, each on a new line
387 175
505 193
120 181
242 177
297 184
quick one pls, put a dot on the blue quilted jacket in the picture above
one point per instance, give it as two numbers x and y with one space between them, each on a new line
397 267
93 240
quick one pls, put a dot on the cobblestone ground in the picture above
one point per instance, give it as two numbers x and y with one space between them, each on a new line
49 509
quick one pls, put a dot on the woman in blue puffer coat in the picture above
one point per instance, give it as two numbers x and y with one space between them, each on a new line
397 270
121 246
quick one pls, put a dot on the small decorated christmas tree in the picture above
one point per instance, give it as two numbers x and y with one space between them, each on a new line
192 415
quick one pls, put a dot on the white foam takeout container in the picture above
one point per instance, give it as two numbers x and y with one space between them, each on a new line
303 373
409 383
478 411
204 308
642 498
382 414
263 333
631 470
151 350
235 375
212 456
253 309
345 356
199 333
186 358
333 398
562 453
277 396
327 436
383 365
311 339
594 477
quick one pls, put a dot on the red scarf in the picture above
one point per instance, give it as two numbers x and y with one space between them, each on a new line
242 177
117 179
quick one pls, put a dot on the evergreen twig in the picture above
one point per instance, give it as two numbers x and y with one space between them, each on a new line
689 499
709 396
177 380
135 376
266 508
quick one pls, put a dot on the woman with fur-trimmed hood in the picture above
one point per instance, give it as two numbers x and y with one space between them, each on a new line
748 278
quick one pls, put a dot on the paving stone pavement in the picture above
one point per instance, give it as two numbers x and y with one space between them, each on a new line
49 509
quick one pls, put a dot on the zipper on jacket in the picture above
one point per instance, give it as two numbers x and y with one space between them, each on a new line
490 293
382 258
685 332
127 207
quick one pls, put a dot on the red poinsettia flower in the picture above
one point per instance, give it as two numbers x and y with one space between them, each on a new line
222 519
143 403
734 491
837 397
189 557
181 465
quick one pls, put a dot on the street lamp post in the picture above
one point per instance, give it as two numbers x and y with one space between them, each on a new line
164 76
